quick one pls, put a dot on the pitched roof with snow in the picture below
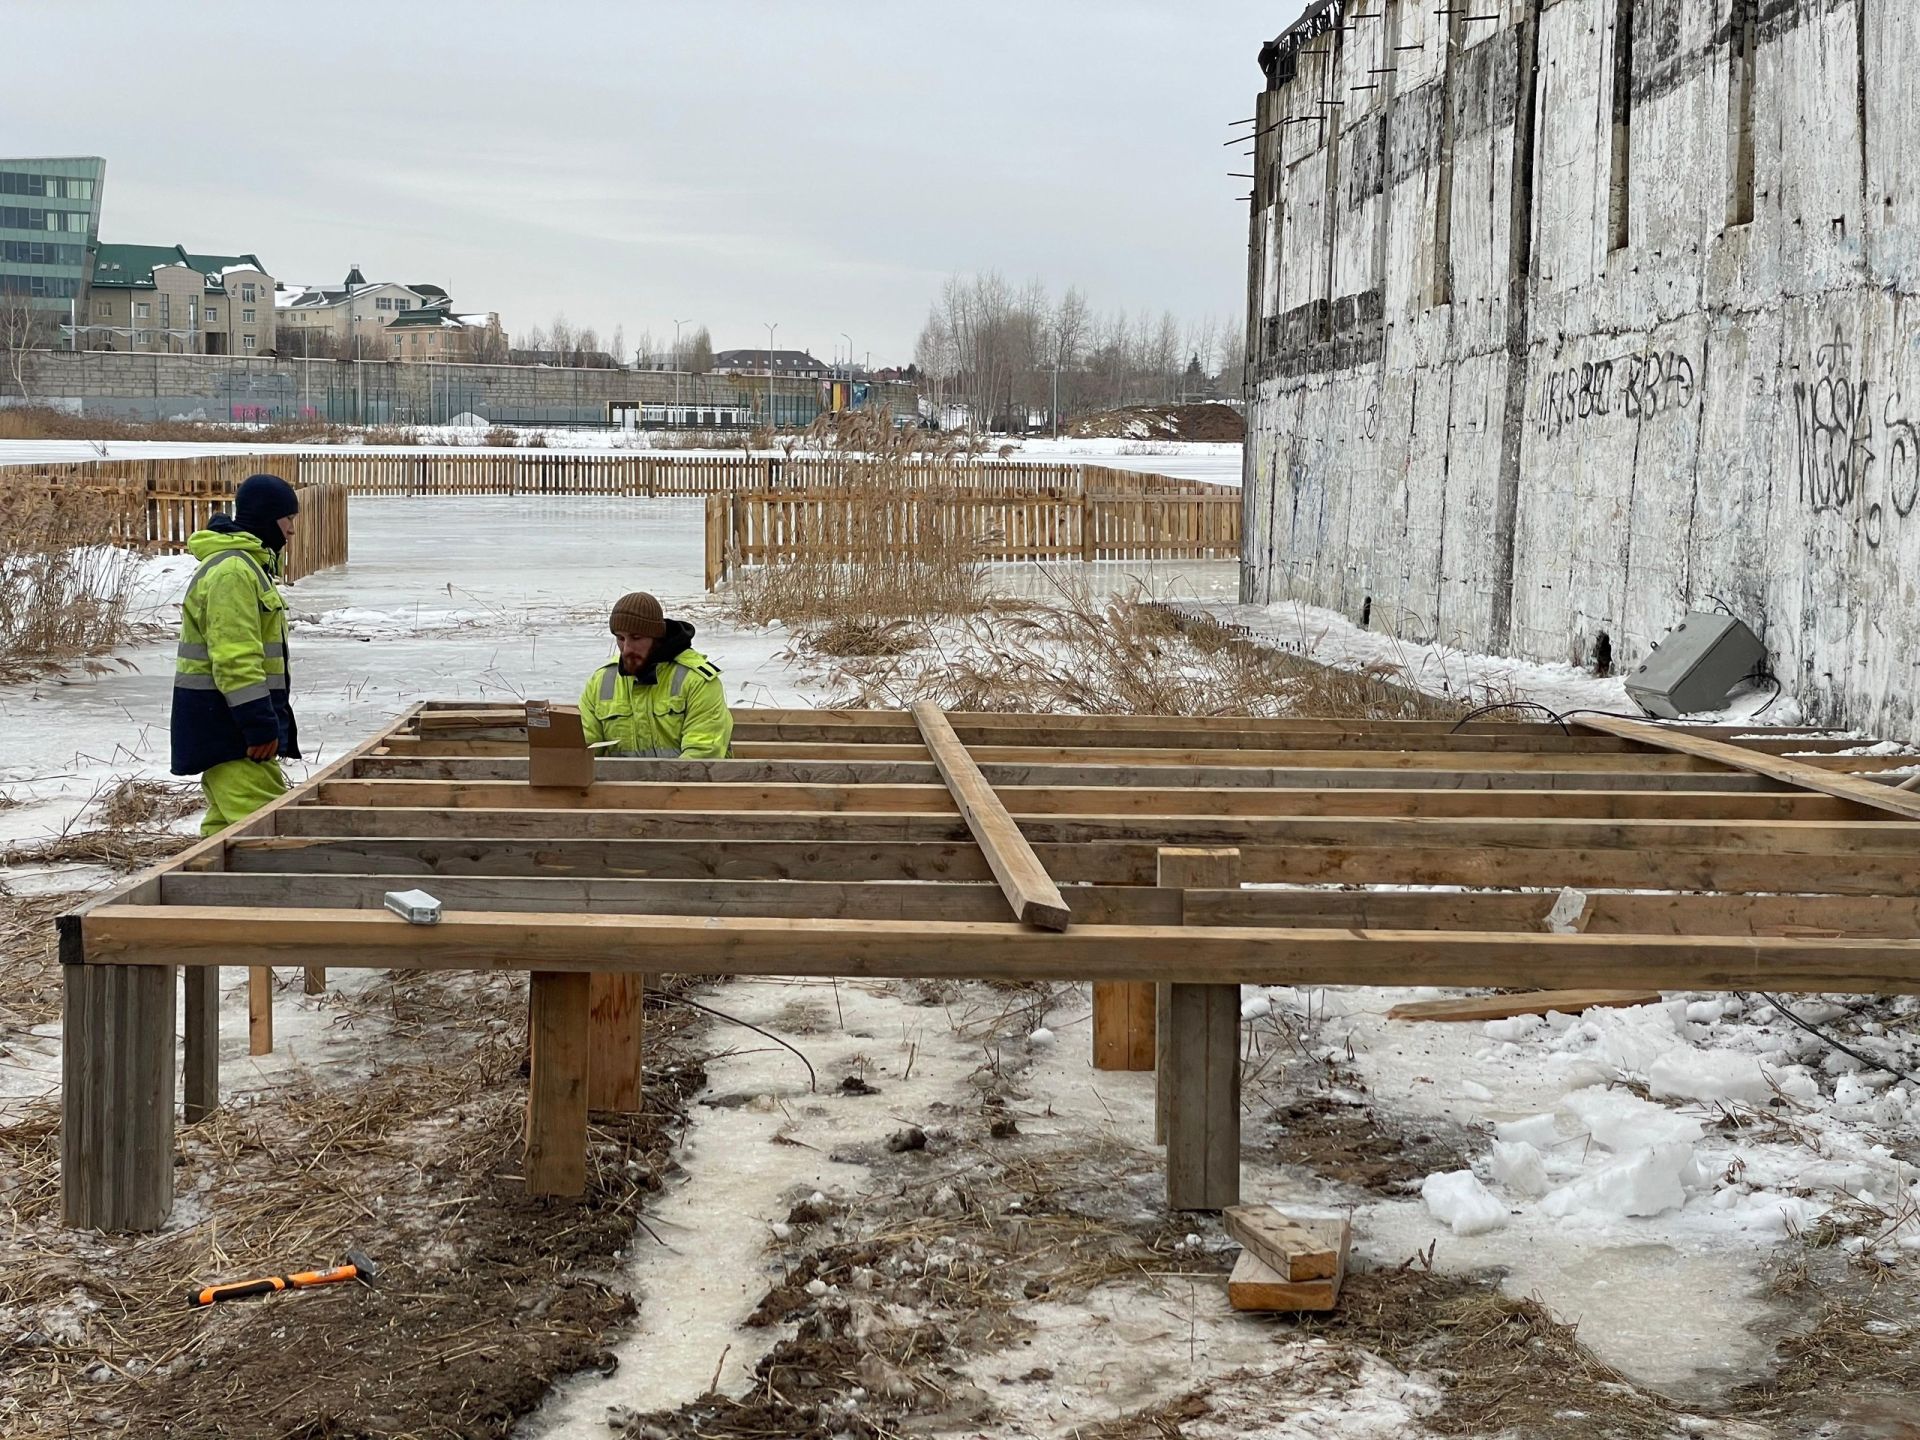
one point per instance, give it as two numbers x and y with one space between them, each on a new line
132 266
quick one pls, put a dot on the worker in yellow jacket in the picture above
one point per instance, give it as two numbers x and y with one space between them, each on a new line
232 722
661 698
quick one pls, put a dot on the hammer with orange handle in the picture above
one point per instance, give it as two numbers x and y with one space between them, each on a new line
357 1267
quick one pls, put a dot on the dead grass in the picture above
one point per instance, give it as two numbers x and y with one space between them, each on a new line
503 437
137 804
43 422
66 588
1088 653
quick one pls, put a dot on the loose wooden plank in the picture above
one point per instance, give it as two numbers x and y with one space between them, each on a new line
1295 1250
557 1035
1809 772
1532 1002
205 935
1255 1286
1197 1083
615 1042
1029 889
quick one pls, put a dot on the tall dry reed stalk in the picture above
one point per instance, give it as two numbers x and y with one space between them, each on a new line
66 585
889 558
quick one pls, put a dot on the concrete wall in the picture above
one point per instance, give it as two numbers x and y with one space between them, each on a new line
378 392
1472 408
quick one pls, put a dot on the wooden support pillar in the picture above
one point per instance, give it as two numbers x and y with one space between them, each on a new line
201 1047
557 1028
316 979
1123 1024
614 1041
116 1132
259 1010
1197 1088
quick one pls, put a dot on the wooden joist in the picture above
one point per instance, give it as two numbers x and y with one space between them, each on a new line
1530 1002
1029 889
205 935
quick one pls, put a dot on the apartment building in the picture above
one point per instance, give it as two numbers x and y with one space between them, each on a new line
49 220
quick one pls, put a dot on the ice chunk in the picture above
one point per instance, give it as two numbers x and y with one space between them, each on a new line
1709 1075
1623 1122
1646 1182
1459 1201
1520 1027
1536 1130
1474 1090
1256 1006
1520 1167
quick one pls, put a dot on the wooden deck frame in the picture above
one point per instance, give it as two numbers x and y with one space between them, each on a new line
914 844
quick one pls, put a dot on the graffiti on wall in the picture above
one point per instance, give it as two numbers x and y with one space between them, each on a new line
1636 387
1858 446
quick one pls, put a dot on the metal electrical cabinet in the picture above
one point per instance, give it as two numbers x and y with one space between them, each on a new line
1696 667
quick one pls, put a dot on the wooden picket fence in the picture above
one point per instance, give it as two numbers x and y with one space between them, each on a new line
538 472
846 526
157 504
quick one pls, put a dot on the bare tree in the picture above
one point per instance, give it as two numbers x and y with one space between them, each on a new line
23 328
699 352
618 346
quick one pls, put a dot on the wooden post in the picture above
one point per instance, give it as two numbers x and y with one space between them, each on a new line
557 1027
116 1133
1197 1092
201 1046
316 979
259 1010
1123 1024
614 1042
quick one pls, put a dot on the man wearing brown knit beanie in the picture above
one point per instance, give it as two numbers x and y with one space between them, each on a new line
661 698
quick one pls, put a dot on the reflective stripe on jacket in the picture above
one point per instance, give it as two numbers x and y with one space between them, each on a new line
683 713
230 670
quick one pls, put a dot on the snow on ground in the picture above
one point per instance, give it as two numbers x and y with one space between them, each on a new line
1219 463
1637 1170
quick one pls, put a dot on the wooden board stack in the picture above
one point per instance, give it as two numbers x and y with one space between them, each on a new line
1286 1264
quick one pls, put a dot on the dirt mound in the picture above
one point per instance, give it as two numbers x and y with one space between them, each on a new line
1163 422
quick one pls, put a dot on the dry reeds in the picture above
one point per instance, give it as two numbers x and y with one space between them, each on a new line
888 557
1089 653
66 586
44 422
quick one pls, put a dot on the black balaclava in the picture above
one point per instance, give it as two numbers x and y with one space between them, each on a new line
259 505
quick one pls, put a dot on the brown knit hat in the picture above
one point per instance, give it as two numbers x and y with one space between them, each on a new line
638 614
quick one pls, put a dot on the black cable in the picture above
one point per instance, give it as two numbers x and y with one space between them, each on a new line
1546 710
813 1080
1823 1036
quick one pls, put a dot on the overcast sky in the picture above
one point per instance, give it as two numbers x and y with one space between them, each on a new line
731 162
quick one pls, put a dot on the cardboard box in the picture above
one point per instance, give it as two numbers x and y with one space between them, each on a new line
557 753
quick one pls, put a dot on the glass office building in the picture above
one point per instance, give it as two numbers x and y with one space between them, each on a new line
49 221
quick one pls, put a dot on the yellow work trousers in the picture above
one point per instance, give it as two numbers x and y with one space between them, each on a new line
237 788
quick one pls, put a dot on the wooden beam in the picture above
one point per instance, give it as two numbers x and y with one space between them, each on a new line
204 935
116 1091
1333 832
1863 916
1029 889
200 1040
1810 772
1114 863
1024 801
511 764
614 1005
557 1037
1197 1090
1277 759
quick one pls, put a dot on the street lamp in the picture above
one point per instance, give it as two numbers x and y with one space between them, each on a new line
770 329
678 364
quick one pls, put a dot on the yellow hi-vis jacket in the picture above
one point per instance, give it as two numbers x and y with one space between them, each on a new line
230 675
682 714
